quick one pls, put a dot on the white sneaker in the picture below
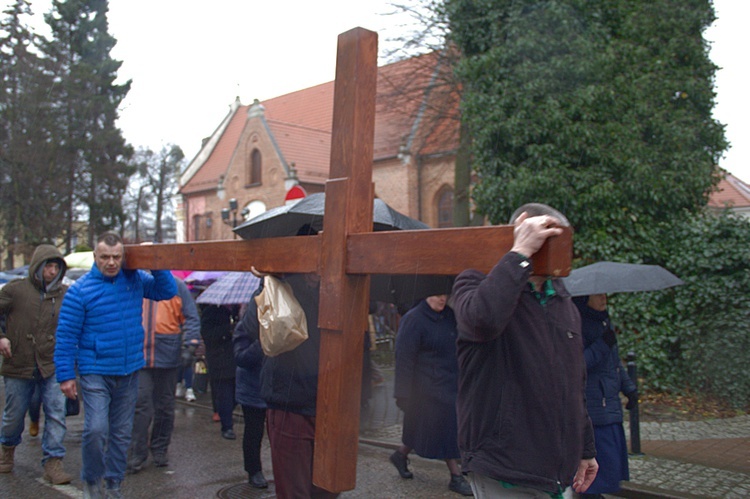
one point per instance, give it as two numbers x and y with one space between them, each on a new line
189 395
180 391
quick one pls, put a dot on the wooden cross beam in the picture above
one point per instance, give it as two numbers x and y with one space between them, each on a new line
346 253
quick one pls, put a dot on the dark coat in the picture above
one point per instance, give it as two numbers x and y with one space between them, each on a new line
31 310
249 358
216 330
427 380
521 410
606 376
289 381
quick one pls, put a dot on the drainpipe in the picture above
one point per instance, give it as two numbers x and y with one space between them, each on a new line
419 187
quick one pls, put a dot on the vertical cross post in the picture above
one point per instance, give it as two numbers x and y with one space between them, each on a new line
346 253
344 297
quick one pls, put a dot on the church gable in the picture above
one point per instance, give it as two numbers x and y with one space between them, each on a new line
259 151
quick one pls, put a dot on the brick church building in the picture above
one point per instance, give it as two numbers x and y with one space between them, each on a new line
263 154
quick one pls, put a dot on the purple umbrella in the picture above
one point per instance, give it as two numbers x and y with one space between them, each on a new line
204 276
233 288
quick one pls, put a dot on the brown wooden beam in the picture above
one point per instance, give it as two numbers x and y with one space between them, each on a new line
344 297
284 254
449 251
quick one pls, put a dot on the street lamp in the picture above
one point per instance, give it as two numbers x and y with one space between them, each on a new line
225 214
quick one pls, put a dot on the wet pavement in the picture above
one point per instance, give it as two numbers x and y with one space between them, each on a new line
204 465
695 459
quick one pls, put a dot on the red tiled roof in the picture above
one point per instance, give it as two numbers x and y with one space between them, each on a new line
301 122
207 177
732 193
417 107
307 148
308 108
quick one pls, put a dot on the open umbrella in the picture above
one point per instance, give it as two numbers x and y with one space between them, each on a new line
399 289
204 276
233 288
287 220
182 274
614 277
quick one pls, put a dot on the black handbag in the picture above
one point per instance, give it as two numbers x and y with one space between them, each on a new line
72 406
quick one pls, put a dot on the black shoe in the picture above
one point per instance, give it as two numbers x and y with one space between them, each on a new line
400 461
160 460
229 434
459 485
258 481
135 466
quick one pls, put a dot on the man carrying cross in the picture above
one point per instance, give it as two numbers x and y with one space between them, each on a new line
523 426
346 253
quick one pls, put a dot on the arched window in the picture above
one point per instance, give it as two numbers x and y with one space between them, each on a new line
254 168
445 208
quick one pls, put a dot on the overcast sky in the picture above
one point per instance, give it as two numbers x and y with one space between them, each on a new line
189 60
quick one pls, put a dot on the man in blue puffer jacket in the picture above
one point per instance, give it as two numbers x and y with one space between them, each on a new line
100 333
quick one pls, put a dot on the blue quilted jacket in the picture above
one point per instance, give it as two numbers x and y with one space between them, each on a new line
100 327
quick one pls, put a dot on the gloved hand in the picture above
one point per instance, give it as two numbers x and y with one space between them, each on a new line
609 338
632 400
187 355
402 403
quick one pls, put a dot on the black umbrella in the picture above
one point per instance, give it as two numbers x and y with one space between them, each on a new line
613 277
399 289
287 220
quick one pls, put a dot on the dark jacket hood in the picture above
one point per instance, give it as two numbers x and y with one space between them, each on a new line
42 254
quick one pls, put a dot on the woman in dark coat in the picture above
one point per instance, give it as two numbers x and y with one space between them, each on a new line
606 378
216 330
249 357
426 386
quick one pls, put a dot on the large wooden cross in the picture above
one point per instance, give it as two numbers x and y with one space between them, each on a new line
346 253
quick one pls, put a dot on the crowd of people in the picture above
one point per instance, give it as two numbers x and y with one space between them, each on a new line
491 379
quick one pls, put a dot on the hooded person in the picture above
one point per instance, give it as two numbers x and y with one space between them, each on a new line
31 307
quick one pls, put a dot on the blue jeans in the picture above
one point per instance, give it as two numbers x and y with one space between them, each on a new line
186 374
108 408
17 399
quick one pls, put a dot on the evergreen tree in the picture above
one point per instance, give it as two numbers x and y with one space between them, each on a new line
31 207
91 146
600 108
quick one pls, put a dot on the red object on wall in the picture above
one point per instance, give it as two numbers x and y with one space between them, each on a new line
295 193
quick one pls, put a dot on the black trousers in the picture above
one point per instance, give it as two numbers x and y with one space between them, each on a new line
255 422
154 408
224 392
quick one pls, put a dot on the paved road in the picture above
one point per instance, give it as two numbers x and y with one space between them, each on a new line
203 465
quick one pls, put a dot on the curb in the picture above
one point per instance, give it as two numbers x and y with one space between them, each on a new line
637 491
